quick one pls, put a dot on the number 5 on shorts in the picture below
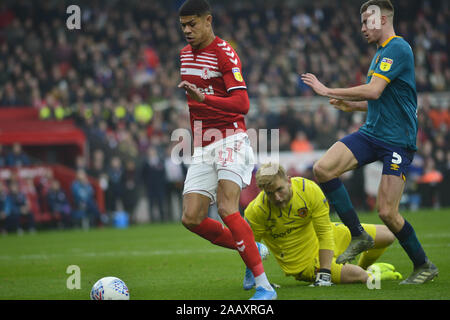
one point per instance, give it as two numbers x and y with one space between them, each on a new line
396 161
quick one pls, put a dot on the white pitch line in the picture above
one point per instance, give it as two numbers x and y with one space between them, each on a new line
45 256
433 235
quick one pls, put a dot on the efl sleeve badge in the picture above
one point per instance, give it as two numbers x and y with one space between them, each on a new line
386 64
237 74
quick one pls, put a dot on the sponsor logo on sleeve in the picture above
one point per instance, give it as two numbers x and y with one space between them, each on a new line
237 74
386 64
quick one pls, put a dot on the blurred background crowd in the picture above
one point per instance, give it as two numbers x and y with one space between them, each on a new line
116 78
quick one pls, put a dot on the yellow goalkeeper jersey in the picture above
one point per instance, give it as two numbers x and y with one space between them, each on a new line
293 234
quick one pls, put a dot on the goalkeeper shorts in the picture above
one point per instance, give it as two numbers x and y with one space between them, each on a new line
342 238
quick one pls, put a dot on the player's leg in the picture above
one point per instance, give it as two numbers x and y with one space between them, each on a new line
234 163
340 158
327 170
199 192
383 239
195 211
351 273
389 195
228 193
347 273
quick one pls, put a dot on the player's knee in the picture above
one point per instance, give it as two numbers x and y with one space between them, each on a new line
388 236
320 172
384 237
189 223
190 220
385 213
227 201
225 210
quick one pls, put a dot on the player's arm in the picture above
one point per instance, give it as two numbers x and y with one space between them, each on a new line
324 231
349 106
323 275
369 91
320 213
236 102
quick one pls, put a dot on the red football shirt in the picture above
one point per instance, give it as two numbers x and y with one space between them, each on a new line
214 70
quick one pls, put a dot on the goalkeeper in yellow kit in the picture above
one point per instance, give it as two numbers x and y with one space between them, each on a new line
291 216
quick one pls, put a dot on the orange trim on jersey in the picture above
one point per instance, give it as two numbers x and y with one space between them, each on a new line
389 40
382 77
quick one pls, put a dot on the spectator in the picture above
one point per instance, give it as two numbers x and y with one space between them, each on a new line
440 117
5 208
285 141
42 185
81 163
97 165
154 178
143 141
429 184
129 187
58 205
301 143
86 212
27 187
17 157
114 192
20 217
175 174
9 97
2 157
127 145
445 184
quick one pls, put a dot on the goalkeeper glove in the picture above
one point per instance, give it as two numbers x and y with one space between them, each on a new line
323 278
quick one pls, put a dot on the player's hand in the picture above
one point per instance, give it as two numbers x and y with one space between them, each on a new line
341 105
192 91
312 81
323 279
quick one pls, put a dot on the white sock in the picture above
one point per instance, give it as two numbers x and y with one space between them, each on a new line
262 281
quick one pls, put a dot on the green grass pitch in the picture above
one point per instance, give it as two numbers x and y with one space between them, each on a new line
166 262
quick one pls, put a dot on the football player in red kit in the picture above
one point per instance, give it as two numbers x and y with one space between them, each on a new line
223 159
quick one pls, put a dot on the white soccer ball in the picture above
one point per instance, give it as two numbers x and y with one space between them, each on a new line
110 288
263 250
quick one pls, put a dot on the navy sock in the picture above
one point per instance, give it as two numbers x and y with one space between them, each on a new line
409 242
338 196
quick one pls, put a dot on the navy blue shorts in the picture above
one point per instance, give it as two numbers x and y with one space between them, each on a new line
367 150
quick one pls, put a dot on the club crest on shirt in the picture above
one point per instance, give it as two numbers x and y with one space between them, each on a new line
378 59
206 74
237 74
386 64
302 212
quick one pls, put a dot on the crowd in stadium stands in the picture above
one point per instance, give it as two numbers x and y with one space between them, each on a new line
109 75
